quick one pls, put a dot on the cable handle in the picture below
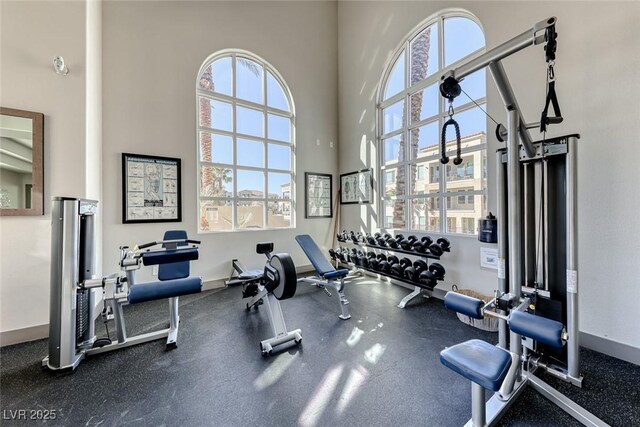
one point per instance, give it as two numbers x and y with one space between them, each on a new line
443 142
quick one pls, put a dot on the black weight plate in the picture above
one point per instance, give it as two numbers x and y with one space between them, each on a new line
437 270
288 277
435 249
443 242
381 257
392 259
406 262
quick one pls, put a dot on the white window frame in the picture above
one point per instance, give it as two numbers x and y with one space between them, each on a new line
440 118
265 110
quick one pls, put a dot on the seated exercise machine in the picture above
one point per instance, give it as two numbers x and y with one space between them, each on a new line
537 251
327 274
75 290
275 283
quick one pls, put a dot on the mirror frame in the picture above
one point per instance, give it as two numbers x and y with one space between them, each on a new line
37 191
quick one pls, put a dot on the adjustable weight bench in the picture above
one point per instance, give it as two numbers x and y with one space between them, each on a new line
327 274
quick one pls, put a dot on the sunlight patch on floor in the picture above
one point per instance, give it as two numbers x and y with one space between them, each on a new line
357 377
374 354
321 397
354 338
274 371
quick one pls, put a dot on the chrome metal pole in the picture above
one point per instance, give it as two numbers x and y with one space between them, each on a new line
515 219
509 99
528 38
503 286
573 355
478 408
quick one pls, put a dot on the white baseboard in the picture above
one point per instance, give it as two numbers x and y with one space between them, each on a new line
17 336
610 347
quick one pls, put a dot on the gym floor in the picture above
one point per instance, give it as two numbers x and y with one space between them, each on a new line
379 368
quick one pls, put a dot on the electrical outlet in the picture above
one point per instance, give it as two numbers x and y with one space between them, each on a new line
330 144
154 270
318 142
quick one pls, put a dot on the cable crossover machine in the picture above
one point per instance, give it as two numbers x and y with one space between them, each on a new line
537 291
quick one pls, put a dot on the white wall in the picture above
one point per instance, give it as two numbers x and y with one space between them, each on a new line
152 53
597 74
31 35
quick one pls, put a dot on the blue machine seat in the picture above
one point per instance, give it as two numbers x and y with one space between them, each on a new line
478 361
151 291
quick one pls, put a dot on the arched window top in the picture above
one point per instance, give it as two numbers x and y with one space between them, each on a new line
437 44
245 142
256 81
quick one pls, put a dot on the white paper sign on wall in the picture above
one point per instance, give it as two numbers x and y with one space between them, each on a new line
489 258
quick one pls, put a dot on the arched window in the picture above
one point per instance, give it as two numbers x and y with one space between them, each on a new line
417 192
246 135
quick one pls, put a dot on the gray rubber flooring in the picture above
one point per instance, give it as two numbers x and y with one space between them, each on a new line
380 368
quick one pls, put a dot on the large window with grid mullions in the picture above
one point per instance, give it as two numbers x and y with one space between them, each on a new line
245 145
416 191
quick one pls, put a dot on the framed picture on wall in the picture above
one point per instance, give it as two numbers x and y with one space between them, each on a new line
318 195
356 187
151 190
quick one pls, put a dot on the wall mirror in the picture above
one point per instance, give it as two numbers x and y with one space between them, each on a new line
21 162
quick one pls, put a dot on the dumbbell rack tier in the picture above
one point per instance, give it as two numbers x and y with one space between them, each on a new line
391 276
417 288
398 250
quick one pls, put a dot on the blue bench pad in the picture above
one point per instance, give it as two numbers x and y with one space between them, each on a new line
541 329
315 255
151 291
478 361
336 274
464 304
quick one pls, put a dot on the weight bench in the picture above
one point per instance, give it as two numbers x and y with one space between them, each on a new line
327 274
498 370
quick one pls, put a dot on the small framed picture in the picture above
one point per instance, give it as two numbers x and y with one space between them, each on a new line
151 190
356 187
318 195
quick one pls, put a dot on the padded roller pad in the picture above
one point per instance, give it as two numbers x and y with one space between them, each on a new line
464 304
538 328
151 291
167 257
478 361
337 274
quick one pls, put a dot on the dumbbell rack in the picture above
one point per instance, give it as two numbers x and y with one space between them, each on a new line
418 287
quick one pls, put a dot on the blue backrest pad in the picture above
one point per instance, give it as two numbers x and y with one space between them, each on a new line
315 255
541 329
464 304
176 270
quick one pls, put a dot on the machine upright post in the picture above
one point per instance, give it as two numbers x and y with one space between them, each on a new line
573 355
503 329
514 192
